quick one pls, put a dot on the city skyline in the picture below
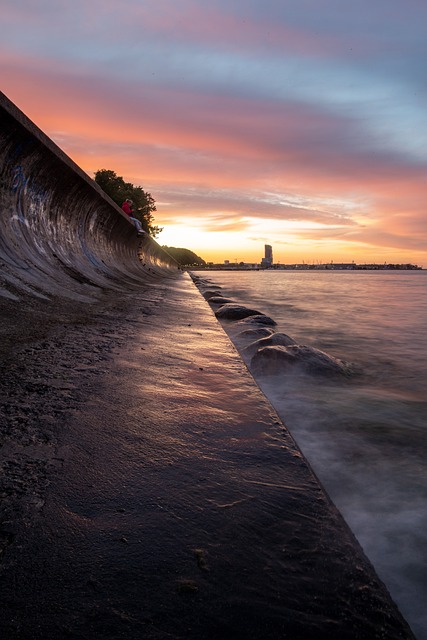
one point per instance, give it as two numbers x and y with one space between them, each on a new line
247 122
267 262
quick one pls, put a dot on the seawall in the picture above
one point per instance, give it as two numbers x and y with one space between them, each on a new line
148 488
58 229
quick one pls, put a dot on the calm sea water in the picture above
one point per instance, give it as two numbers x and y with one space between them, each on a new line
366 439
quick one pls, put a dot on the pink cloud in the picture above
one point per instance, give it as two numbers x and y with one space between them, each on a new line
214 156
230 139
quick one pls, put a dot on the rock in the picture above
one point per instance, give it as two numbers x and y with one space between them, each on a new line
260 318
254 334
210 293
219 300
279 359
232 311
271 340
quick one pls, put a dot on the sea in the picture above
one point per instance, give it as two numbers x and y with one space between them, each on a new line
364 437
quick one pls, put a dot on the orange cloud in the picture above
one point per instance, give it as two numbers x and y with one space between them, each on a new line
223 162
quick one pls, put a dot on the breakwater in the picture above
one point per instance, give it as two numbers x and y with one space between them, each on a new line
149 489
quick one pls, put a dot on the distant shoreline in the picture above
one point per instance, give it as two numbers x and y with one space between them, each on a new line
307 267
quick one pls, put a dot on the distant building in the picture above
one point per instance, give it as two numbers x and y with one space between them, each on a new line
227 262
339 266
267 260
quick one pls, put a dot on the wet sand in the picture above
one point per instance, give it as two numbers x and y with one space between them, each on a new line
150 491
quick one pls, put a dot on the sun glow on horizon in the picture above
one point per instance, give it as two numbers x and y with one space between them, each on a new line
217 246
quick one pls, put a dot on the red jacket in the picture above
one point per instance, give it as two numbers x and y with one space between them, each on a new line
127 208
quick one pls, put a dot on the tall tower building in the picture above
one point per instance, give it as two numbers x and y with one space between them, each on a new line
267 260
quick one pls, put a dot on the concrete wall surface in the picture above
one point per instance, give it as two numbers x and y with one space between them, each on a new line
60 234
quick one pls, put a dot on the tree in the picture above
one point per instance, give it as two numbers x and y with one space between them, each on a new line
118 190
185 257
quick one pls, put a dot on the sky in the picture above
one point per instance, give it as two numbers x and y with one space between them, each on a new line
296 123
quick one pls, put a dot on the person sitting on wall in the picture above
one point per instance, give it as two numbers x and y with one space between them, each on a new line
127 208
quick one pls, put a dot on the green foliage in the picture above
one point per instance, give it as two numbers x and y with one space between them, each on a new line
184 257
118 190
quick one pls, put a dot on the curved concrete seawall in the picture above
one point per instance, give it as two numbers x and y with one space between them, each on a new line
147 488
59 233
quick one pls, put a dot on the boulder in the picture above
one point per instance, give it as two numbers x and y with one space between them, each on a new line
232 311
260 319
203 282
274 339
210 293
255 334
274 360
219 300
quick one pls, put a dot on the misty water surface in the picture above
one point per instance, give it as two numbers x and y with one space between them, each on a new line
366 438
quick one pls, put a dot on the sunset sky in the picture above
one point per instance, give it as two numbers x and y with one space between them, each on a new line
297 123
